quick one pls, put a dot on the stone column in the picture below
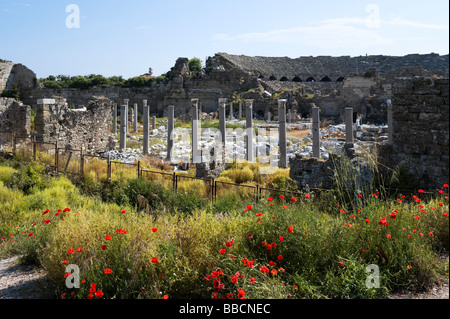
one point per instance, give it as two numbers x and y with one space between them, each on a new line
195 132
170 128
115 118
126 114
240 109
282 133
249 130
269 116
135 118
348 125
146 114
154 123
123 128
390 123
316 132
349 146
231 111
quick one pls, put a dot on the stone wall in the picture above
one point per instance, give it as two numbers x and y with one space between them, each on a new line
312 173
11 74
420 141
14 117
90 127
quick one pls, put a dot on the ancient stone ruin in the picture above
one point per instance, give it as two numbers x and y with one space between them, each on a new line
397 105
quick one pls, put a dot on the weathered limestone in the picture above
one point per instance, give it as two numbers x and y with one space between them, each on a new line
282 133
89 127
289 116
195 132
123 128
170 128
126 101
14 117
316 132
146 114
231 111
249 130
269 116
349 147
135 124
420 141
240 110
349 125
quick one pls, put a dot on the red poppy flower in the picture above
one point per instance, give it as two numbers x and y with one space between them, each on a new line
307 196
165 297
249 207
79 249
281 238
66 210
108 237
367 221
360 195
293 199
223 251
446 185
99 294
281 197
264 269
155 260
420 191
30 234
290 229
270 199
388 236
123 211
252 280
154 230
64 262
341 263
107 271
45 212
103 247
70 251
259 214
241 293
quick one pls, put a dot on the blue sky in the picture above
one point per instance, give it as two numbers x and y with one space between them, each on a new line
127 37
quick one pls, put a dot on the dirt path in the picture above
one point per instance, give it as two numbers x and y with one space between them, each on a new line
21 282
26 282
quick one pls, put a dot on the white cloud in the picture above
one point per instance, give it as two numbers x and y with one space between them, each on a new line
324 35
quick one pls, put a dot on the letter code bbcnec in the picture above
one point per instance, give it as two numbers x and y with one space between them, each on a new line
246 308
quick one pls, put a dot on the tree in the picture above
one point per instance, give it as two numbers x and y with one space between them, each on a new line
195 65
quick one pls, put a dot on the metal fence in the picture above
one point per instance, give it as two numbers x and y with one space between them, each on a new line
72 162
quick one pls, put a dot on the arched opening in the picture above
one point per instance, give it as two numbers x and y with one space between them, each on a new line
272 78
284 79
340 79
297 79
310 79
325 79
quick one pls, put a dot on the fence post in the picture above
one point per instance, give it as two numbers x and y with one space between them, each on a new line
175 182
139 168
56 158
109 168
34 147
212 188
14 142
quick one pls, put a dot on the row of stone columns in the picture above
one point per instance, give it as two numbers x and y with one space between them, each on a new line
250 155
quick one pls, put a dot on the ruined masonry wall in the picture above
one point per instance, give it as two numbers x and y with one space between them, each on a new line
14 117
73 129
421 129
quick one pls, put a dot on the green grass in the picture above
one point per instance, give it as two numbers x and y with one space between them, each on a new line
325 254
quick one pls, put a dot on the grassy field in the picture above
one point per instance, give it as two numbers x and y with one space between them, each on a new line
184 246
